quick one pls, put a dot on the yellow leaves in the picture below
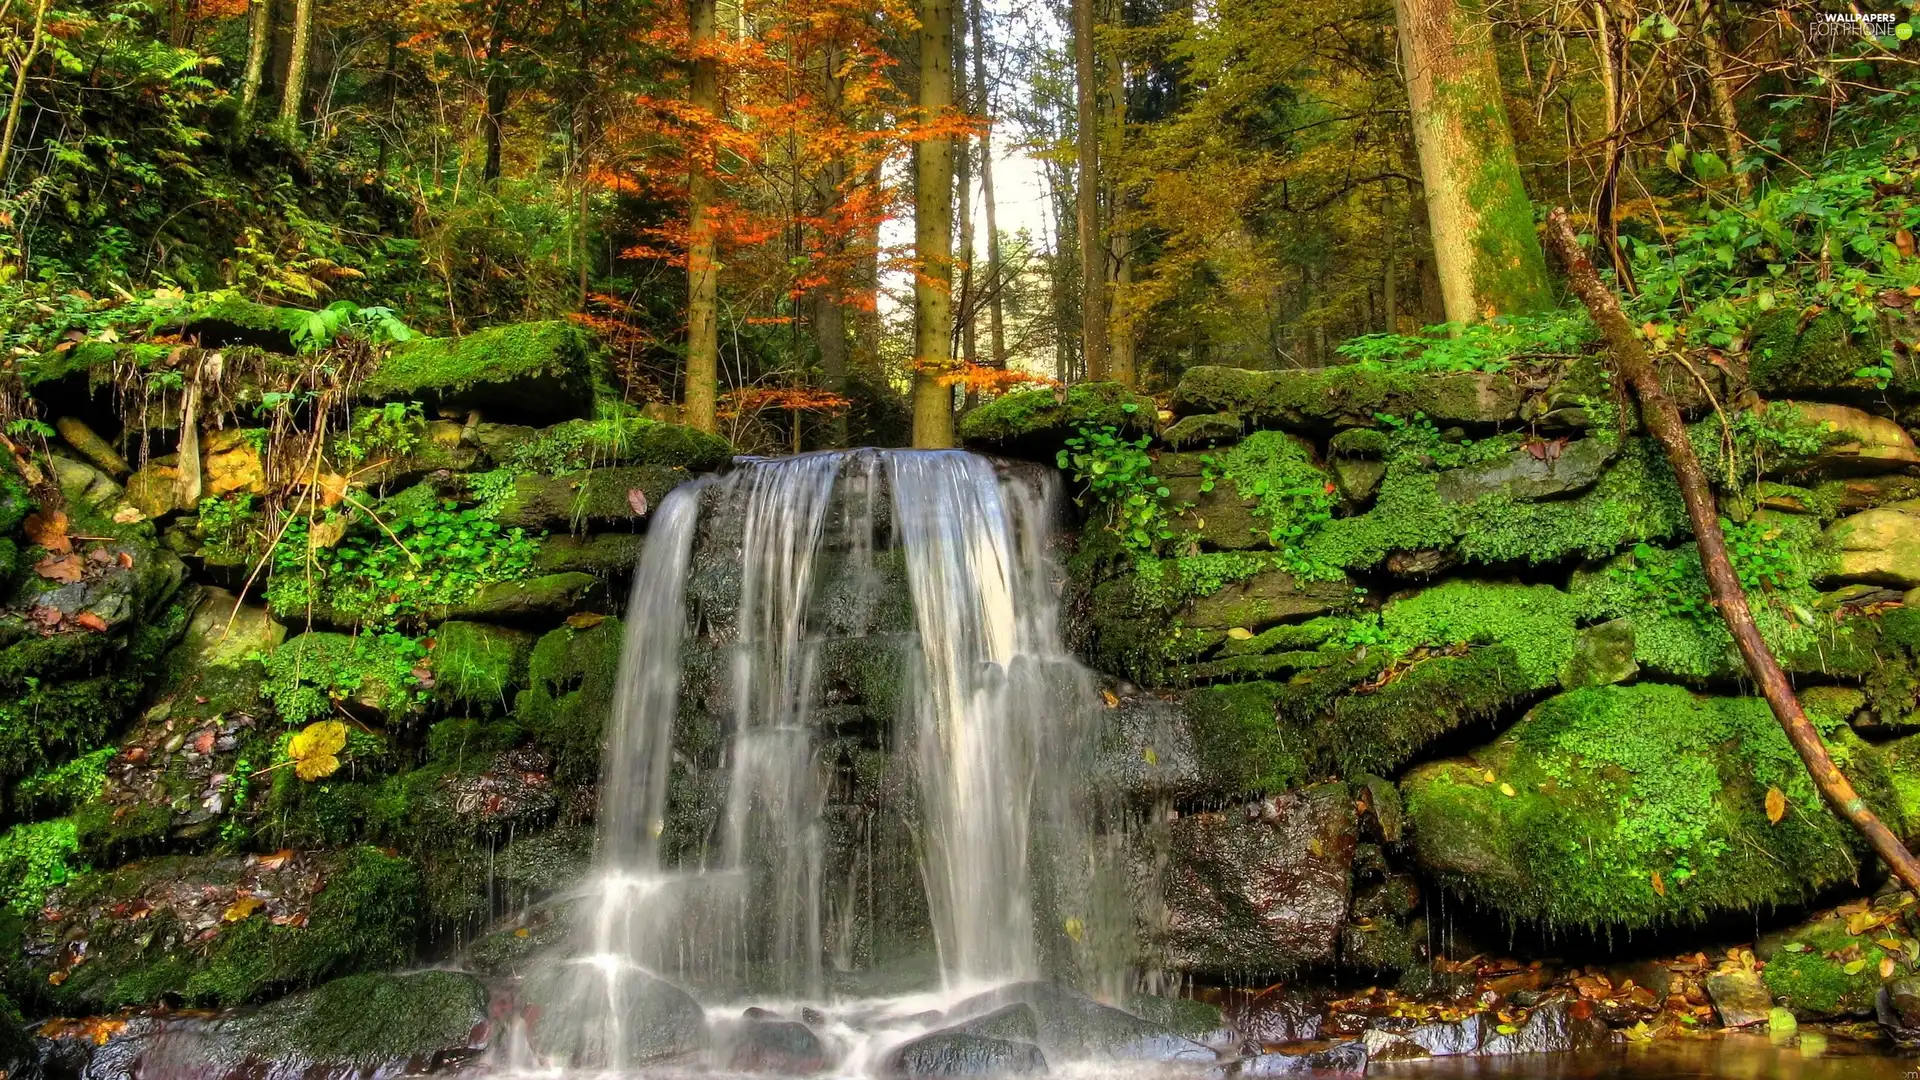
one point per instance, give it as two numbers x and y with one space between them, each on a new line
1488 776
1776 805
1240 633
1659 886
1886 967
585 620
1150 756
1855 967
242 906
314 750
1507 790
1112 699
1903 240
1075 928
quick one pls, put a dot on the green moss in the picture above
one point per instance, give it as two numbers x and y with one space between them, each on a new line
68 784
95 359
1240 744
1346 395
601 554
233 310
1291 495
571 679
1535 621
1380 729
34 859
1041 419
1822 355
597 498
543 367
617 440
1635 806
313 672
1807 970
367 1019
478 664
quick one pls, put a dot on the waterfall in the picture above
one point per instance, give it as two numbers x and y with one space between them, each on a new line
995 715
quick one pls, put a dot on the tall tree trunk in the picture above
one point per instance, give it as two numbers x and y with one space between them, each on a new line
496 90
866 318
1487 251
829 312
933 236
1390 288
703 275
996 317
294 91
1663 421
1093 256
1120 340
963 205
1713 36
259 44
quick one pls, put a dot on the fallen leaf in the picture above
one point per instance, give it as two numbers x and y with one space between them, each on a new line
1903 240
1889 944
1112 700
315 748
91 621
241 908
1855 967
65 569
1658 885
125 560
1239 633
57 978
521 932
1776 805
585 620
1074 928
1487 776
48 530
637 499
276 860
1886 967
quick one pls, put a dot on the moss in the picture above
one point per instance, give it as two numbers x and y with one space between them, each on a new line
546 598
478 664
1535 621
1636 806
571 679
1205 429
601 554
539 368
1241 746
1807 969
597 498
367 1020
617 440
34 859
1380 729
1290 494
236 311
313 671
1789 358
1346 395
1041 419
95 359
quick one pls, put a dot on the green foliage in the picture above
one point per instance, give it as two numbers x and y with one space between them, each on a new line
35 859
310 676
1483 346
1535 621
68 784
383 577
321 328
395 429
1293 496
1118 474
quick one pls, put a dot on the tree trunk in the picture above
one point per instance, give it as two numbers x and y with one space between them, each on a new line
1664 423
496 90
866 318
259 44
20 87
996 318
1093 256
829 314
933 236
703 276
295 90
1487 251
1390 288
963 205
1713 36
1120 340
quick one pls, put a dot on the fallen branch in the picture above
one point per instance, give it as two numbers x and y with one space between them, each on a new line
1663 421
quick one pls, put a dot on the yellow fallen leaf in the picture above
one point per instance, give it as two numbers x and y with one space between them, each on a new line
240 908
1855 967
1075 928
585 620
1658 885
1239 633
1886 967
1507 790
315 748
1487 776
1889 944
1776 805
1112 699
1151 757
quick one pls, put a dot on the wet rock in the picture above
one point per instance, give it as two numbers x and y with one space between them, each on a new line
1384 818
1036 423
543 599
1557 469
1740 997
1879 546
1072 1026
1285 1015
232 462
1357 478
658 1021
1270 597
1860 442
596 498
94 448
1450 1038
1346 395
1344 1059
600 553
1262 887
1014 1023
1421 564
1556 1027
384 1023
1203 429
766 1044
955 1053
1147 750
1897 1007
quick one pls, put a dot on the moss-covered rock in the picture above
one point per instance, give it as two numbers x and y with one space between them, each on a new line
1346 396
601 554
1036 423
571 678
584 444
377 1021
542 600
478 664
1636 806
1815 359
537 370
621 496
1823 969
1204 429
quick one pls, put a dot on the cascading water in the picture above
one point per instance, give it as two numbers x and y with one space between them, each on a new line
996 714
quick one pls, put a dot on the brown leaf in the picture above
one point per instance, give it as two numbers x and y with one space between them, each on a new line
125 560
1776 805
585 620
1903 240
90 621
48 530
66 569
1886 967
1658 885
637 499
276 860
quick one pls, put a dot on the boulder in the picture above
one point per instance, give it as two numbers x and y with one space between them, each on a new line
479 664
1281 1015
656 1021
1273 596
621 496
1880 546
91 446
1897 1007
232 463
1341 1059
953 1053
573 445
1544 471
1037 423
537 370
1074 1027
545 599
1260 889
1823 969
1202 430
1350 395
1740 997
605 554
771 1045
1602 656
379 1024
1555 1027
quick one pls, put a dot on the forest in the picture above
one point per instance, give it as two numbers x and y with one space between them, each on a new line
951 537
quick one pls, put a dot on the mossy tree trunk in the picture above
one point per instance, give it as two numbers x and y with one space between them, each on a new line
1486 250
1120 339
496 90
703 322
996 316
1086 194
259 44
1665 424
295 89
1714 43
933 236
